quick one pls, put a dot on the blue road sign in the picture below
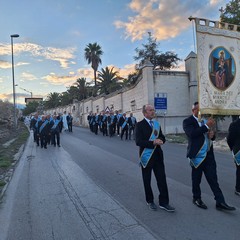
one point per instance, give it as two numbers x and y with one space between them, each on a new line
160 103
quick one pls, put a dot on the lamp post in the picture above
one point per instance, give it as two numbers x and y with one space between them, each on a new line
14 101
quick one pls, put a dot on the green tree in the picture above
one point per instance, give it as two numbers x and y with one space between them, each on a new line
6 110
31 107
53 100
93 53
73 93
108 80
65 99
150 51
231 13
81 85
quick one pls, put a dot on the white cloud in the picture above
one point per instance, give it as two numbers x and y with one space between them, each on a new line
5 65
165 18
76 33
61 55
60 80
5 97
28 76
86 73
125 71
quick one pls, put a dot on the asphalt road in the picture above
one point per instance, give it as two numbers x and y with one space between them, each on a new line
91 188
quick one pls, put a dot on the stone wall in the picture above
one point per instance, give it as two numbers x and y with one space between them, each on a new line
180 88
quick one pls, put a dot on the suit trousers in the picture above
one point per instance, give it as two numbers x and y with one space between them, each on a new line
209 168
157 166
237 178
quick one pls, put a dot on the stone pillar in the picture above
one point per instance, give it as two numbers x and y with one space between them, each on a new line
148 82
191 68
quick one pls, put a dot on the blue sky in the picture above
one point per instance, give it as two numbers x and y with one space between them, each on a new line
49 54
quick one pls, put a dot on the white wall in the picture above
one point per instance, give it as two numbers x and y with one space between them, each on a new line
181 89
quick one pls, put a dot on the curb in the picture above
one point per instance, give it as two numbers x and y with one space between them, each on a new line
10 172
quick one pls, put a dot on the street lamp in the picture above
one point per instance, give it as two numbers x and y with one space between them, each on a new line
14 101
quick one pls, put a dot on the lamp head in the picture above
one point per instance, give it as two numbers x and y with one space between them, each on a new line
14 36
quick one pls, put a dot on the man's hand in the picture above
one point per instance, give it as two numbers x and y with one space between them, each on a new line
210 122
210 134
157 142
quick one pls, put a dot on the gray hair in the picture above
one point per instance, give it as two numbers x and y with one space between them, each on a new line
144 108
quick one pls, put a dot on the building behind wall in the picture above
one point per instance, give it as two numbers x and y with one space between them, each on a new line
179 89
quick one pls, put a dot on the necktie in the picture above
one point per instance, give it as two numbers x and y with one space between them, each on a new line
151 123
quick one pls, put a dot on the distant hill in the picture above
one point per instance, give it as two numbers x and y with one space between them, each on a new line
21 106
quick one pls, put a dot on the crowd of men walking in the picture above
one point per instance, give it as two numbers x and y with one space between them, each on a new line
113 123
149 137
47 128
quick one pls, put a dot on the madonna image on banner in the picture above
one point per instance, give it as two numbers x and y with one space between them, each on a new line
222 68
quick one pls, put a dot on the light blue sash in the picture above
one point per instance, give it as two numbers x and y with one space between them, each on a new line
200 157
43 125
36 124
112 118
236 157
133 120
147 152
118 116
55 123
125 122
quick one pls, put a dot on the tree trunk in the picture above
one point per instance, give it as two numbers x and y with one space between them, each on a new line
95 77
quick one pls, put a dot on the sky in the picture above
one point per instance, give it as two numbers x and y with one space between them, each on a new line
49 52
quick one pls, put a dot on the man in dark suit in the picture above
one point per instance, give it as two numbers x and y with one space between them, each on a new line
34 127
149 138
69 122
43 131
132 121
233 140
55 130
201 156
123 122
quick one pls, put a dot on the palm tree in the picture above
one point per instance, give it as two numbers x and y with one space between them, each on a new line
82 87
108 80
93 54
65 98
52 100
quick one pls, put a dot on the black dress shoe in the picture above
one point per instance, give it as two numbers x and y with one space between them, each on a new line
152 206
237 192
224 206
198 202
167 207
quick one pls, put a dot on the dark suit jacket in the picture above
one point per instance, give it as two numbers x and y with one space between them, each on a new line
233 138
143 133
122 120
195 135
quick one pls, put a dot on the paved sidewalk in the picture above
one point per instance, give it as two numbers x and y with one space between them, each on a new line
51 197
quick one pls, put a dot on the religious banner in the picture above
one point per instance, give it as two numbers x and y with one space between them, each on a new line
218 54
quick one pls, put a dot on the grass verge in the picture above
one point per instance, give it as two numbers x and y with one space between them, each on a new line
9 148
177 138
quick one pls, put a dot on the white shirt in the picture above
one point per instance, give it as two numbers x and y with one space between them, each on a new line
149 122
199 123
